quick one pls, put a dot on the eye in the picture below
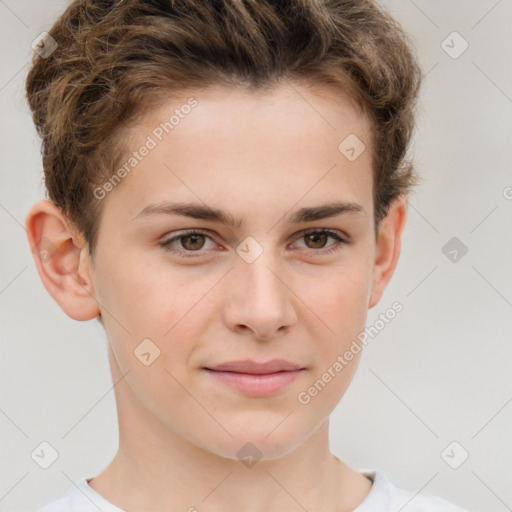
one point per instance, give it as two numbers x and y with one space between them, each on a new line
193 241
318 237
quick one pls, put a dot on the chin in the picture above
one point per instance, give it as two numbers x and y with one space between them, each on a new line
255 444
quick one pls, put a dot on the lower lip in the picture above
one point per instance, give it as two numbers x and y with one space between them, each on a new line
253 384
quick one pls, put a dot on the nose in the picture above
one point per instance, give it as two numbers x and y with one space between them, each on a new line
259 299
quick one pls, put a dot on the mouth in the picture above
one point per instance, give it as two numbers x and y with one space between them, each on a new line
255 367
256 378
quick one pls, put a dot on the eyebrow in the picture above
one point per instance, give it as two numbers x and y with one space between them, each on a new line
203 212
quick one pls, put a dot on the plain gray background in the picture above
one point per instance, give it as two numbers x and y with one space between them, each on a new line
438 373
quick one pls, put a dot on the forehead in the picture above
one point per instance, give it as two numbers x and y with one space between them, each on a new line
323 109
220 112
225 145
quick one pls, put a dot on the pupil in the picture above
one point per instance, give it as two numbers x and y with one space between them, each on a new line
188 237
322 235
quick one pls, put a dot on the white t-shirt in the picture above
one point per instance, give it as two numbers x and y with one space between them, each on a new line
383 497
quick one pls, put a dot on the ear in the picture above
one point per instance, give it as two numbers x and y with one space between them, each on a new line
388 247
62 260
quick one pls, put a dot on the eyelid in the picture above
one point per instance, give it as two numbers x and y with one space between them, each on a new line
329 231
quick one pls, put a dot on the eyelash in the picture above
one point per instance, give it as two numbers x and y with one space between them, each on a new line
332 234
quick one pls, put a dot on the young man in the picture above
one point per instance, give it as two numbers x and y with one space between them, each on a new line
227 185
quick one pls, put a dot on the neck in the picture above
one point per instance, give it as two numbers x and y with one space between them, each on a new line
152 477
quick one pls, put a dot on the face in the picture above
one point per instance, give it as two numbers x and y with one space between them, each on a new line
183 292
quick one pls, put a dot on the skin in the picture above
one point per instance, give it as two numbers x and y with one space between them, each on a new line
260 157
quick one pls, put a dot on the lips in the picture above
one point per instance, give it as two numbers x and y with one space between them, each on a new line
256 379
256 368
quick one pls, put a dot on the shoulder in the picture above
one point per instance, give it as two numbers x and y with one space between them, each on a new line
80 498
384 495
60 505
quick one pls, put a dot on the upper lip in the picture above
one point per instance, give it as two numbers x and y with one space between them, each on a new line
255 367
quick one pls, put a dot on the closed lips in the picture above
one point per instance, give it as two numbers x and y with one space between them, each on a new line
256 368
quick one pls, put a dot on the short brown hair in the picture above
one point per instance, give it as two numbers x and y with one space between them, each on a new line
116 59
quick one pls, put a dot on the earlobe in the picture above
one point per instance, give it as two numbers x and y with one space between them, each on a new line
62 261
388 248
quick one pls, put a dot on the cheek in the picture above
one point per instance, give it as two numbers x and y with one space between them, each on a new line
342 300
153 334
155 303
147 295
342 305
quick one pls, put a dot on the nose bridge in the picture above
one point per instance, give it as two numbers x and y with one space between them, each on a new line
259 297
258 268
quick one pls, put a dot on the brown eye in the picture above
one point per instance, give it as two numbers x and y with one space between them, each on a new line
318 239
187 242
192 242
